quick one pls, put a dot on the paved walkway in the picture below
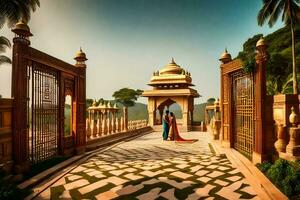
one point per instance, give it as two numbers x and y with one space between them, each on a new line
149 168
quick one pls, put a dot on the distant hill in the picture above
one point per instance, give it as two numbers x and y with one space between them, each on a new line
140 111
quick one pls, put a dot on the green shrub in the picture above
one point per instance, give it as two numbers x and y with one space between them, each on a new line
285 175
264 167
8 190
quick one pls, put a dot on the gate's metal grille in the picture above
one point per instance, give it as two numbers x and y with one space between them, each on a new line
43 96
244 126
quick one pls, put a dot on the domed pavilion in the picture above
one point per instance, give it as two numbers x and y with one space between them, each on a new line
172 84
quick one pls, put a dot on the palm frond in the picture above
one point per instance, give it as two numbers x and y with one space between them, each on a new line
277 10
4 59
266 11
287 87
4 44
14 10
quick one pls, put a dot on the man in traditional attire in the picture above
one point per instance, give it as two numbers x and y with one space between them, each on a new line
166 125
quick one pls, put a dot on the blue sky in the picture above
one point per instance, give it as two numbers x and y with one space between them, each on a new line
126 40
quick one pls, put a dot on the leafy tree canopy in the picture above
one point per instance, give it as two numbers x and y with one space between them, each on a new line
211 100
127 96
279 67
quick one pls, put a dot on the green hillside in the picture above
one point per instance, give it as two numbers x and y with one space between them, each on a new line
280 57
139 111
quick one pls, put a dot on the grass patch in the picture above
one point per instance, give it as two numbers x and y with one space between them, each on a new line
285 175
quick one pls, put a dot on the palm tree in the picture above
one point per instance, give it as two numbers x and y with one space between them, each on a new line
287 86
12 11
289 11
4 43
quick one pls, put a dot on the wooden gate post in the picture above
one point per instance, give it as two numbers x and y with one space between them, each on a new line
259 154
80 98
19 91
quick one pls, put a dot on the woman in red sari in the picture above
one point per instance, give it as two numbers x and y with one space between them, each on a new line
174 133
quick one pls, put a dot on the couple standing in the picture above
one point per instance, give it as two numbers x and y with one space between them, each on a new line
170 129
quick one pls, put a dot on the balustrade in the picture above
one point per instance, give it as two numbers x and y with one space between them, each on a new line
289 150
105 119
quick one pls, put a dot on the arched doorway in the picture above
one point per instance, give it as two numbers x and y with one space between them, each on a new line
172 106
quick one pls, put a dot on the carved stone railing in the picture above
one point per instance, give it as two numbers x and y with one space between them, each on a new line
214 124
137 124
5 134
105 120
289 149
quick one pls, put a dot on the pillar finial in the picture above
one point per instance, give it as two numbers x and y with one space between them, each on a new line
293 118
225 57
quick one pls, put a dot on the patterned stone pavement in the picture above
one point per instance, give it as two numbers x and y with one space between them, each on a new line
150 168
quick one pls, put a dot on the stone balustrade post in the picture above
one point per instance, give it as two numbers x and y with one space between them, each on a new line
125 112
99 125
114 121
95 132
109 122
104 122
122 124
92 125
216 129
119 124
293 148
88 128
280 144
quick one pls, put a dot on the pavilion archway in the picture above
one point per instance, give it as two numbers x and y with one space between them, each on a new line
171 84
172 106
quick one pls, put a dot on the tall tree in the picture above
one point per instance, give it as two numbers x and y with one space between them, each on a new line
289 11
127 96
12 11
4 44
211 100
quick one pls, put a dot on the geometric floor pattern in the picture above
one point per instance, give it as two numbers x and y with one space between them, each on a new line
149 168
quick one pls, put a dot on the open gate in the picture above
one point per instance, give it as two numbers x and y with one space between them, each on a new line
40 84
243 112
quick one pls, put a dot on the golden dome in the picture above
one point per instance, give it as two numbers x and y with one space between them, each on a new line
21 28
261 42
225 55
80 55
171 68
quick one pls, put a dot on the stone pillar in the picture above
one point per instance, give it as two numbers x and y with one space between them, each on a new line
293 148
92 125
125 113
114 126
96 118
109 120
104 122
88 125
161 112
21 47
185 119
192 116
122 124
94 132
99 123
119 124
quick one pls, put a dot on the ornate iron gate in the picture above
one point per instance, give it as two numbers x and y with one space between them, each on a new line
243 112
42 112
